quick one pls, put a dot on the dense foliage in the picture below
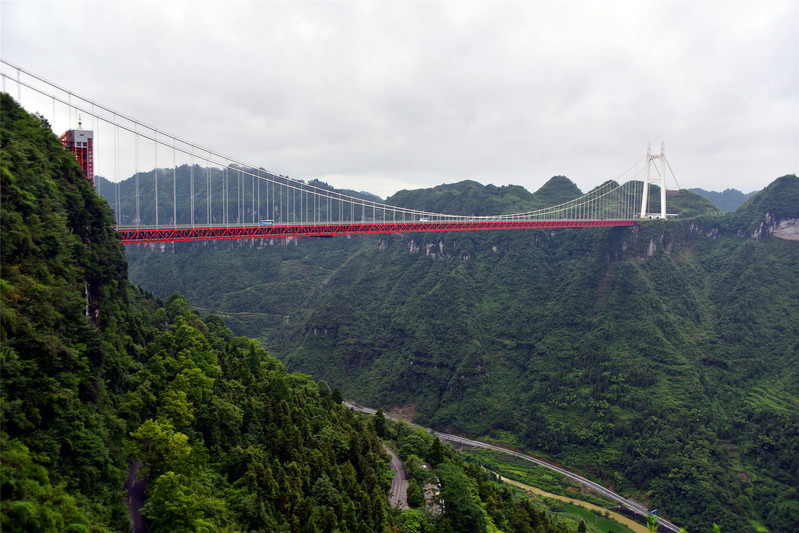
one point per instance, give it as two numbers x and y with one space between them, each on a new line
232 440
447 493
100 379
71 329
95 373
659 359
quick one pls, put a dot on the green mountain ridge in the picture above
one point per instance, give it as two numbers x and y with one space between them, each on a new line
97 374
661 359
100 378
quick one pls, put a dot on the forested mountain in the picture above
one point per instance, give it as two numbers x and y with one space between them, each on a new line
663 359
96 373
728 200
660 359
100 378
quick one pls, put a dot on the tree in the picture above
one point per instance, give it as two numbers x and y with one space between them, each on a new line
337 398
163 448
461 504
324 391
380 423
415 494
172 504
414 444
436 452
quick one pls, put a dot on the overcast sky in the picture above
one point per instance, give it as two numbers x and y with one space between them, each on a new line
389 96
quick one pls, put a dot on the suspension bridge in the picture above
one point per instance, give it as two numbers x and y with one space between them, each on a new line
199 194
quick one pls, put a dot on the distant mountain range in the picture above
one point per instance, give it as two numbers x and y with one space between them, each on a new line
728 200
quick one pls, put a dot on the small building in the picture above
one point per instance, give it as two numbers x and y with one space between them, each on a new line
81 143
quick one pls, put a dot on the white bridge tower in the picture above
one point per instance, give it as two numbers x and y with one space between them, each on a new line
661 181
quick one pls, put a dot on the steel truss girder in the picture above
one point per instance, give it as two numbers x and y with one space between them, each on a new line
179 234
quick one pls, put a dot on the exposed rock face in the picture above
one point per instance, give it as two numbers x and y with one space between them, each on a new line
787 229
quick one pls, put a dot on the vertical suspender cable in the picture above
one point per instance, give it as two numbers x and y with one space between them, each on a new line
191 187
174 186
225 197
116 169
155 141
97 152
138 213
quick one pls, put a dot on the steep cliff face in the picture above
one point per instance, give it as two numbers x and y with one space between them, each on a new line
787 228
766 211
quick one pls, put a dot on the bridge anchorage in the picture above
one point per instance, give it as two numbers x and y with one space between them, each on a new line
204 195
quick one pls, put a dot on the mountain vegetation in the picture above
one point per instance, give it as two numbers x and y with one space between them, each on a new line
101 379
657 359
96 373
661 360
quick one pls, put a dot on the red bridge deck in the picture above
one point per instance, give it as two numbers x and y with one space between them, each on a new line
175 234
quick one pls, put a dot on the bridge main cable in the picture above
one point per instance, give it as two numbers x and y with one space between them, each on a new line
607 205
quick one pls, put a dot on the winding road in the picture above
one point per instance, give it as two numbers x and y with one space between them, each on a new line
399 483
635 507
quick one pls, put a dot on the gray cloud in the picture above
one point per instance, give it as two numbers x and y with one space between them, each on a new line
384 96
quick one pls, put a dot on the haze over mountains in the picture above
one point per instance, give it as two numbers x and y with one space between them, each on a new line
728 200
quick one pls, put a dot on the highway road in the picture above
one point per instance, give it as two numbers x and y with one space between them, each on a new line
665 525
